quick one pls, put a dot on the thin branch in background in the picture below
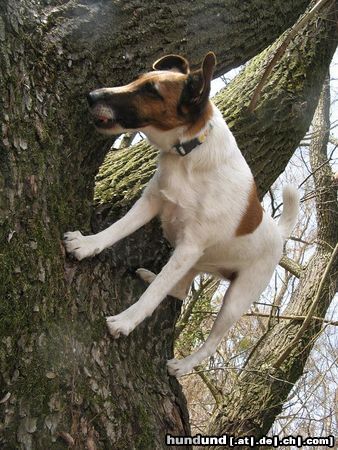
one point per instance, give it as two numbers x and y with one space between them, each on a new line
275 307
273 203
214 390
302 241
291 317
317 168
308 195
305 163
258 315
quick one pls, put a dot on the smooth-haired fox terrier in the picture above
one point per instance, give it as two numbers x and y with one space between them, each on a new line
203 191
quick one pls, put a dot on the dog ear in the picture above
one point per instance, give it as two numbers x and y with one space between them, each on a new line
202 88
174 63
197 87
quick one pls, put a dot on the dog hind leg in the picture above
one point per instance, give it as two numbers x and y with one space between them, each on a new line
180 291
242 292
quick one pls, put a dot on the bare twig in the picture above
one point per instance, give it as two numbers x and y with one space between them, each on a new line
317 168
215 392
279 317
291 317
202 373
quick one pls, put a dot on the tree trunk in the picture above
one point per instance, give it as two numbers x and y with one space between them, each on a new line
279 359
62 377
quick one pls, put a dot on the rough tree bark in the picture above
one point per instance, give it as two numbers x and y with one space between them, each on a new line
60 372
279 360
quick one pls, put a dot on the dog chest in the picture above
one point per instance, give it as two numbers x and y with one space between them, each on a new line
179 200
178 208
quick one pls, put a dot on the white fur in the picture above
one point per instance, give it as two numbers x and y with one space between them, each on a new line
201 199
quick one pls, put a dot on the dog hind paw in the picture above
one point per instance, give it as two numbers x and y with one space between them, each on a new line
178 367
146 275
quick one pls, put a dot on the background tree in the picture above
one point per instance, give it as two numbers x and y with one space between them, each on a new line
63 380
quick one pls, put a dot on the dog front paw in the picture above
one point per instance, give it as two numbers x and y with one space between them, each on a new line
120 324
81 246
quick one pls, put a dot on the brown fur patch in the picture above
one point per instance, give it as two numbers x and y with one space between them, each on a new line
163 114
227 274
253 214
201 122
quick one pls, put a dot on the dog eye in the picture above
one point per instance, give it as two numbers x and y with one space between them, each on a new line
151 90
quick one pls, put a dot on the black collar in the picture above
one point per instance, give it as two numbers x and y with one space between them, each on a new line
185 148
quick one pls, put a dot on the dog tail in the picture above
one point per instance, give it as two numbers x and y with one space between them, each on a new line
290 210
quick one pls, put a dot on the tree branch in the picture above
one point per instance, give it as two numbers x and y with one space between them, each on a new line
290 265
282 48
308 317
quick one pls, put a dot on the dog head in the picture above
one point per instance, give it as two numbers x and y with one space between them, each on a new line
170 96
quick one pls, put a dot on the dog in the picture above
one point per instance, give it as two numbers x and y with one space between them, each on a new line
203 191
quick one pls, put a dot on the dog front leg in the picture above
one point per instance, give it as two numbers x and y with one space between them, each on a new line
142 212
182 260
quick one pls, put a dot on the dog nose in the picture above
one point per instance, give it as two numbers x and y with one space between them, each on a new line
95 96
92 98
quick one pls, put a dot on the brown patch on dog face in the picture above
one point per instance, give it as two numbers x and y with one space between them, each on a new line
165 99
163 114
253 214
